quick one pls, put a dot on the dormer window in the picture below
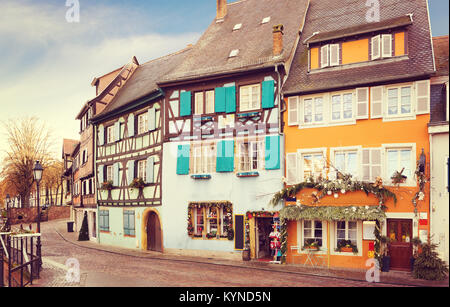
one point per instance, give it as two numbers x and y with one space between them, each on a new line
237 26
234 53
265 20
329 55
381 46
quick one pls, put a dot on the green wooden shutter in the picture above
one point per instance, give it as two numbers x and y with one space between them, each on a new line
130 125
117 131
219 99
100 175
268 93
149 170
116 172
225 156
101 135
152 119
183 160
272 152
185 104
230 93
130 171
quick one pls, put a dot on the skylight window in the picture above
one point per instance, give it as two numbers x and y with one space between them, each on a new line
265 20
233 53
237 26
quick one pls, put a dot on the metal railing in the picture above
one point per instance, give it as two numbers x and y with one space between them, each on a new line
19 258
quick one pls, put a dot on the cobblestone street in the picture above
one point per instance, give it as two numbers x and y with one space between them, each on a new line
112 267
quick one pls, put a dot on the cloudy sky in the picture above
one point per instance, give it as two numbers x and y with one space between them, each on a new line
47 63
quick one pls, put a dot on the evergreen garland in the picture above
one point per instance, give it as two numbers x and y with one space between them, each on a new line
84 231
283 239
428 265
330 213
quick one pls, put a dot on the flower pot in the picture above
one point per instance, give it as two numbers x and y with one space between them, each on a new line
246 255
346 249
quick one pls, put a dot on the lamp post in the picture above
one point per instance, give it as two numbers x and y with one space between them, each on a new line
37 174
8 199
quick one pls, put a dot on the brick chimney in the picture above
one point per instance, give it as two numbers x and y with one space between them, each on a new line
221 9
277 39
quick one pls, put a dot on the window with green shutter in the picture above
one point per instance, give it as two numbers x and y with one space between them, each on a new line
103 220
225 156
230 99
268 92
183 160
272 152
128 223
185 104
220 99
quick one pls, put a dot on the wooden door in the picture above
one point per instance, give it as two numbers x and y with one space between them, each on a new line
400 249
154 233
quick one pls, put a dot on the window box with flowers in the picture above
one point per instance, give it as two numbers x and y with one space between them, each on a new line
346 246
311 244
107 185
137 183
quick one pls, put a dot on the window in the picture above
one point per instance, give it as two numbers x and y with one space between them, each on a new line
90 187
250 97
342 107
199 223
251 156
209 108
142 123
398 160
103 220
292 111
346 162
142 170
198 103
128 223
234 53
371 164
399 101
109 173
381 46
204 158
312 165
346 230
324 56
265 20
210 220
312 231
110 134
313 110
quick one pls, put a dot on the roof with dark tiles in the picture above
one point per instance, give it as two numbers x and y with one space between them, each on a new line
338 15
440 46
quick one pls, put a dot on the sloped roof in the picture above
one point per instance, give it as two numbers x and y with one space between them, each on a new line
143 81
337 15
254 40
68 146
440 46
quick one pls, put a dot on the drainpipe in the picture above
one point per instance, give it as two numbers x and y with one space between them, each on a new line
281 109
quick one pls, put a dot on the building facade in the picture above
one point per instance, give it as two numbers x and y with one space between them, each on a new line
357 151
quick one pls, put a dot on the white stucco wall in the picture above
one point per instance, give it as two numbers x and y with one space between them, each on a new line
439 193
245 194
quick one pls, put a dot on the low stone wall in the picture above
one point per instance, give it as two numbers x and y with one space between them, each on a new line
29 215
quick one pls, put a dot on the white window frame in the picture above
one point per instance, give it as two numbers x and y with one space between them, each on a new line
248 156
248 105
142 123
399 97
195 215
313 110
345 150
142 169
199 99
301 237
410 181
110 134
342 119
203 158
312 151
346 231
209 102
359 240
375 47
109 173
293 107
325 50
389 37
330 48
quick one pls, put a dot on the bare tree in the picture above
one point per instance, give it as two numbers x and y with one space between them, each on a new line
28 140
52 180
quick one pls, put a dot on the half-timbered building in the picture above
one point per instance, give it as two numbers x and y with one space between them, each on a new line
129 140
223 129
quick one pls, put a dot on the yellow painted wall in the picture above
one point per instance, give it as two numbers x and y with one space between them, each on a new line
314 58
355 51
399 43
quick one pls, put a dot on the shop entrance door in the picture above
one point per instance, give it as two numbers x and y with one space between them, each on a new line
263 230
400 249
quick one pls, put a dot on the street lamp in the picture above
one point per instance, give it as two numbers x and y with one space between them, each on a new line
37 174
8 199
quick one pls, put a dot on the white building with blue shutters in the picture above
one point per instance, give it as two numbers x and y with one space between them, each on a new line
223 132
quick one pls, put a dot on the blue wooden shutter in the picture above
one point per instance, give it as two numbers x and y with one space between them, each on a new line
183 160
149 170
219 99
152 119
100 175
268 93
131 125
230 99
101 135
185 104
225 156
130 172
272 152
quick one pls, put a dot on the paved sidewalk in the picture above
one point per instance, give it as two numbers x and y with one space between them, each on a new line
393 277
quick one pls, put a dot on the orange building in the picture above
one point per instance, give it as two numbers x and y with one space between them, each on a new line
356 142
